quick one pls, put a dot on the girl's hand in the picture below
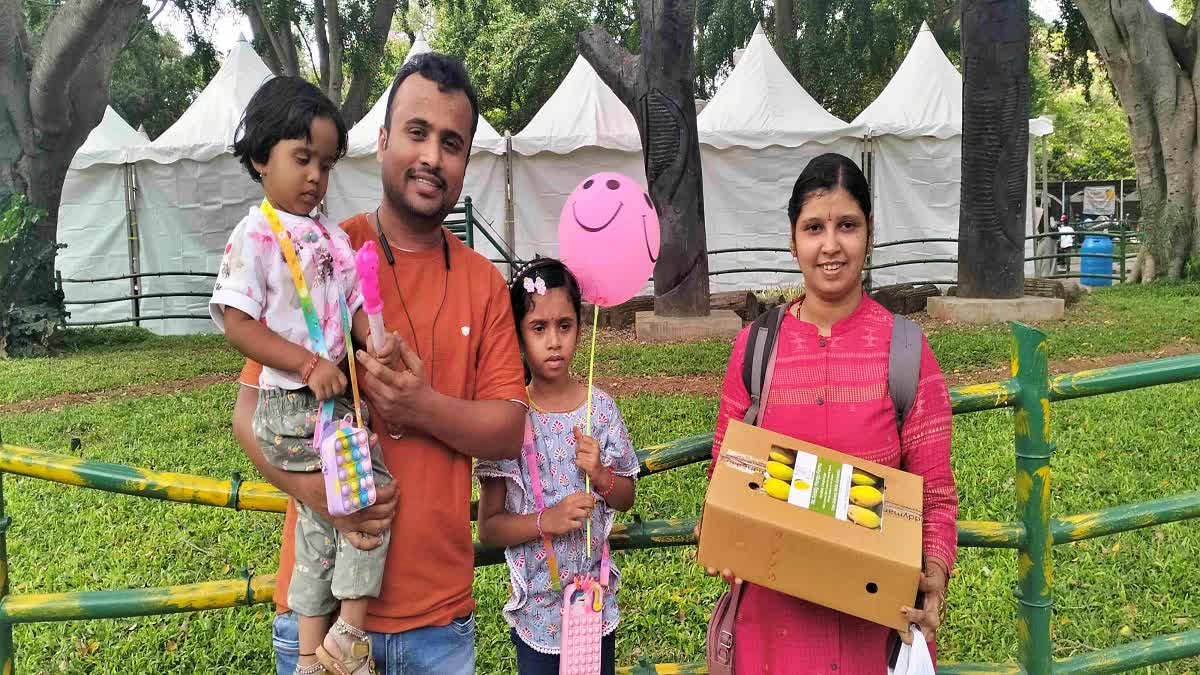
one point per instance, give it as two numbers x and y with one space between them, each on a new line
568 515
326 380
933 586
587 455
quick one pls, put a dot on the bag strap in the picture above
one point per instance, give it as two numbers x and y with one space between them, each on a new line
904 366
310 315
760 348
728 622
529 450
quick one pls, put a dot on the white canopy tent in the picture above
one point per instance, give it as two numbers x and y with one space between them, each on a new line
914 131
193 192
756 134
581 130
356 186
93 219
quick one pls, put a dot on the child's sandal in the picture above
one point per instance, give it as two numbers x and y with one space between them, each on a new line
354 645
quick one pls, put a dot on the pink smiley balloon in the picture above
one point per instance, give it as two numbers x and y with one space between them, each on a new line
608 237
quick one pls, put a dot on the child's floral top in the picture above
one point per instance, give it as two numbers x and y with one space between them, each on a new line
534 609
254 277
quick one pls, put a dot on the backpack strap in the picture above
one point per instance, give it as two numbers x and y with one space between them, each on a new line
904 366
760 346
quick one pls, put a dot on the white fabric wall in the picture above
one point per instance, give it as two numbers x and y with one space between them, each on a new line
916 191
356 186
916 196
92 222
746 193
186 212
542 183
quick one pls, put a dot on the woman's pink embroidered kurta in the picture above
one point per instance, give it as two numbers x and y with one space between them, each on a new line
832 391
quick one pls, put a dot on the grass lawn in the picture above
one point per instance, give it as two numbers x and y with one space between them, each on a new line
1113 321
1111 450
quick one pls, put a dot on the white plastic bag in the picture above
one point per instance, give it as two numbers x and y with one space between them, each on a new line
914 659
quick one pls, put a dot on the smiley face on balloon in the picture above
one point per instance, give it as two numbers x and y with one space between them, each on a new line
608 237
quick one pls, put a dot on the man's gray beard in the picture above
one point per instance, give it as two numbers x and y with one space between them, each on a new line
400 203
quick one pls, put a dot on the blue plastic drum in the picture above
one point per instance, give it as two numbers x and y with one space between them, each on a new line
1097 271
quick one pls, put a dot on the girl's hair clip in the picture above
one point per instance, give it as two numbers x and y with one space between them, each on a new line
538 286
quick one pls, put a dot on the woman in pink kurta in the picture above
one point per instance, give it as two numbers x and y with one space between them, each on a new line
830 388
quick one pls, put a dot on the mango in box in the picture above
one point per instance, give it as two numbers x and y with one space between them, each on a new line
814 523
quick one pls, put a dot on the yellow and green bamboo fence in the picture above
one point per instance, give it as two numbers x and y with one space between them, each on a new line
1029 391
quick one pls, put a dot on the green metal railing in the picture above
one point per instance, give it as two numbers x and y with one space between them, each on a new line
1029 392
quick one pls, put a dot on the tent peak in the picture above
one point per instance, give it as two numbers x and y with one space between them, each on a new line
759 30
925 27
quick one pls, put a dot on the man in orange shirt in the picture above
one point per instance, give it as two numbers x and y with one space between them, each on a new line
459 393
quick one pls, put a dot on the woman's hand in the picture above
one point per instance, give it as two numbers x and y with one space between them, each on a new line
725 574
933 586
568 515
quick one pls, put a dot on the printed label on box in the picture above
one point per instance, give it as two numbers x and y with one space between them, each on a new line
826 486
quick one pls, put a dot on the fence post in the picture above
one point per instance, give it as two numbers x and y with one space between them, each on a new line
6 640
1031 369
1121 245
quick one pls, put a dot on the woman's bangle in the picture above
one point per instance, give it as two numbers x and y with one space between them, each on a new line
310 367
612 482
541 535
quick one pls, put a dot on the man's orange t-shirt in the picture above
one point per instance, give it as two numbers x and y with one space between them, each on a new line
468 346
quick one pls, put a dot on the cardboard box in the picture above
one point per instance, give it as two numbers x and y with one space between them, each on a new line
808 546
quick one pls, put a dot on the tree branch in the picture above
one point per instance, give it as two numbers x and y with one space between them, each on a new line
619 69
336 51
15 117
322 46
258 25
360 80
72 37
313 61
1181 46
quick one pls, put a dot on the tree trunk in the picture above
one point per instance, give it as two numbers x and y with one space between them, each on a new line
282 58
657 87
1152 61
322 47
785 31
336 50
53 100
995 149
362 76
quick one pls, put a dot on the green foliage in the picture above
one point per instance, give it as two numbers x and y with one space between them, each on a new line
1091 139
518 51
1184 9
839 42
722 27
29 313
154 82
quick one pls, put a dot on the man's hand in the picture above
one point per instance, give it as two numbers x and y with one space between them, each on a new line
396 394
389 353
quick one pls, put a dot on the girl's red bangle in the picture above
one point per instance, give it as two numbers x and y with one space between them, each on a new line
309 367
612 483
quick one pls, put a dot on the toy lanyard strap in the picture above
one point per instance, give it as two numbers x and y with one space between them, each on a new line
529 449
310 314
